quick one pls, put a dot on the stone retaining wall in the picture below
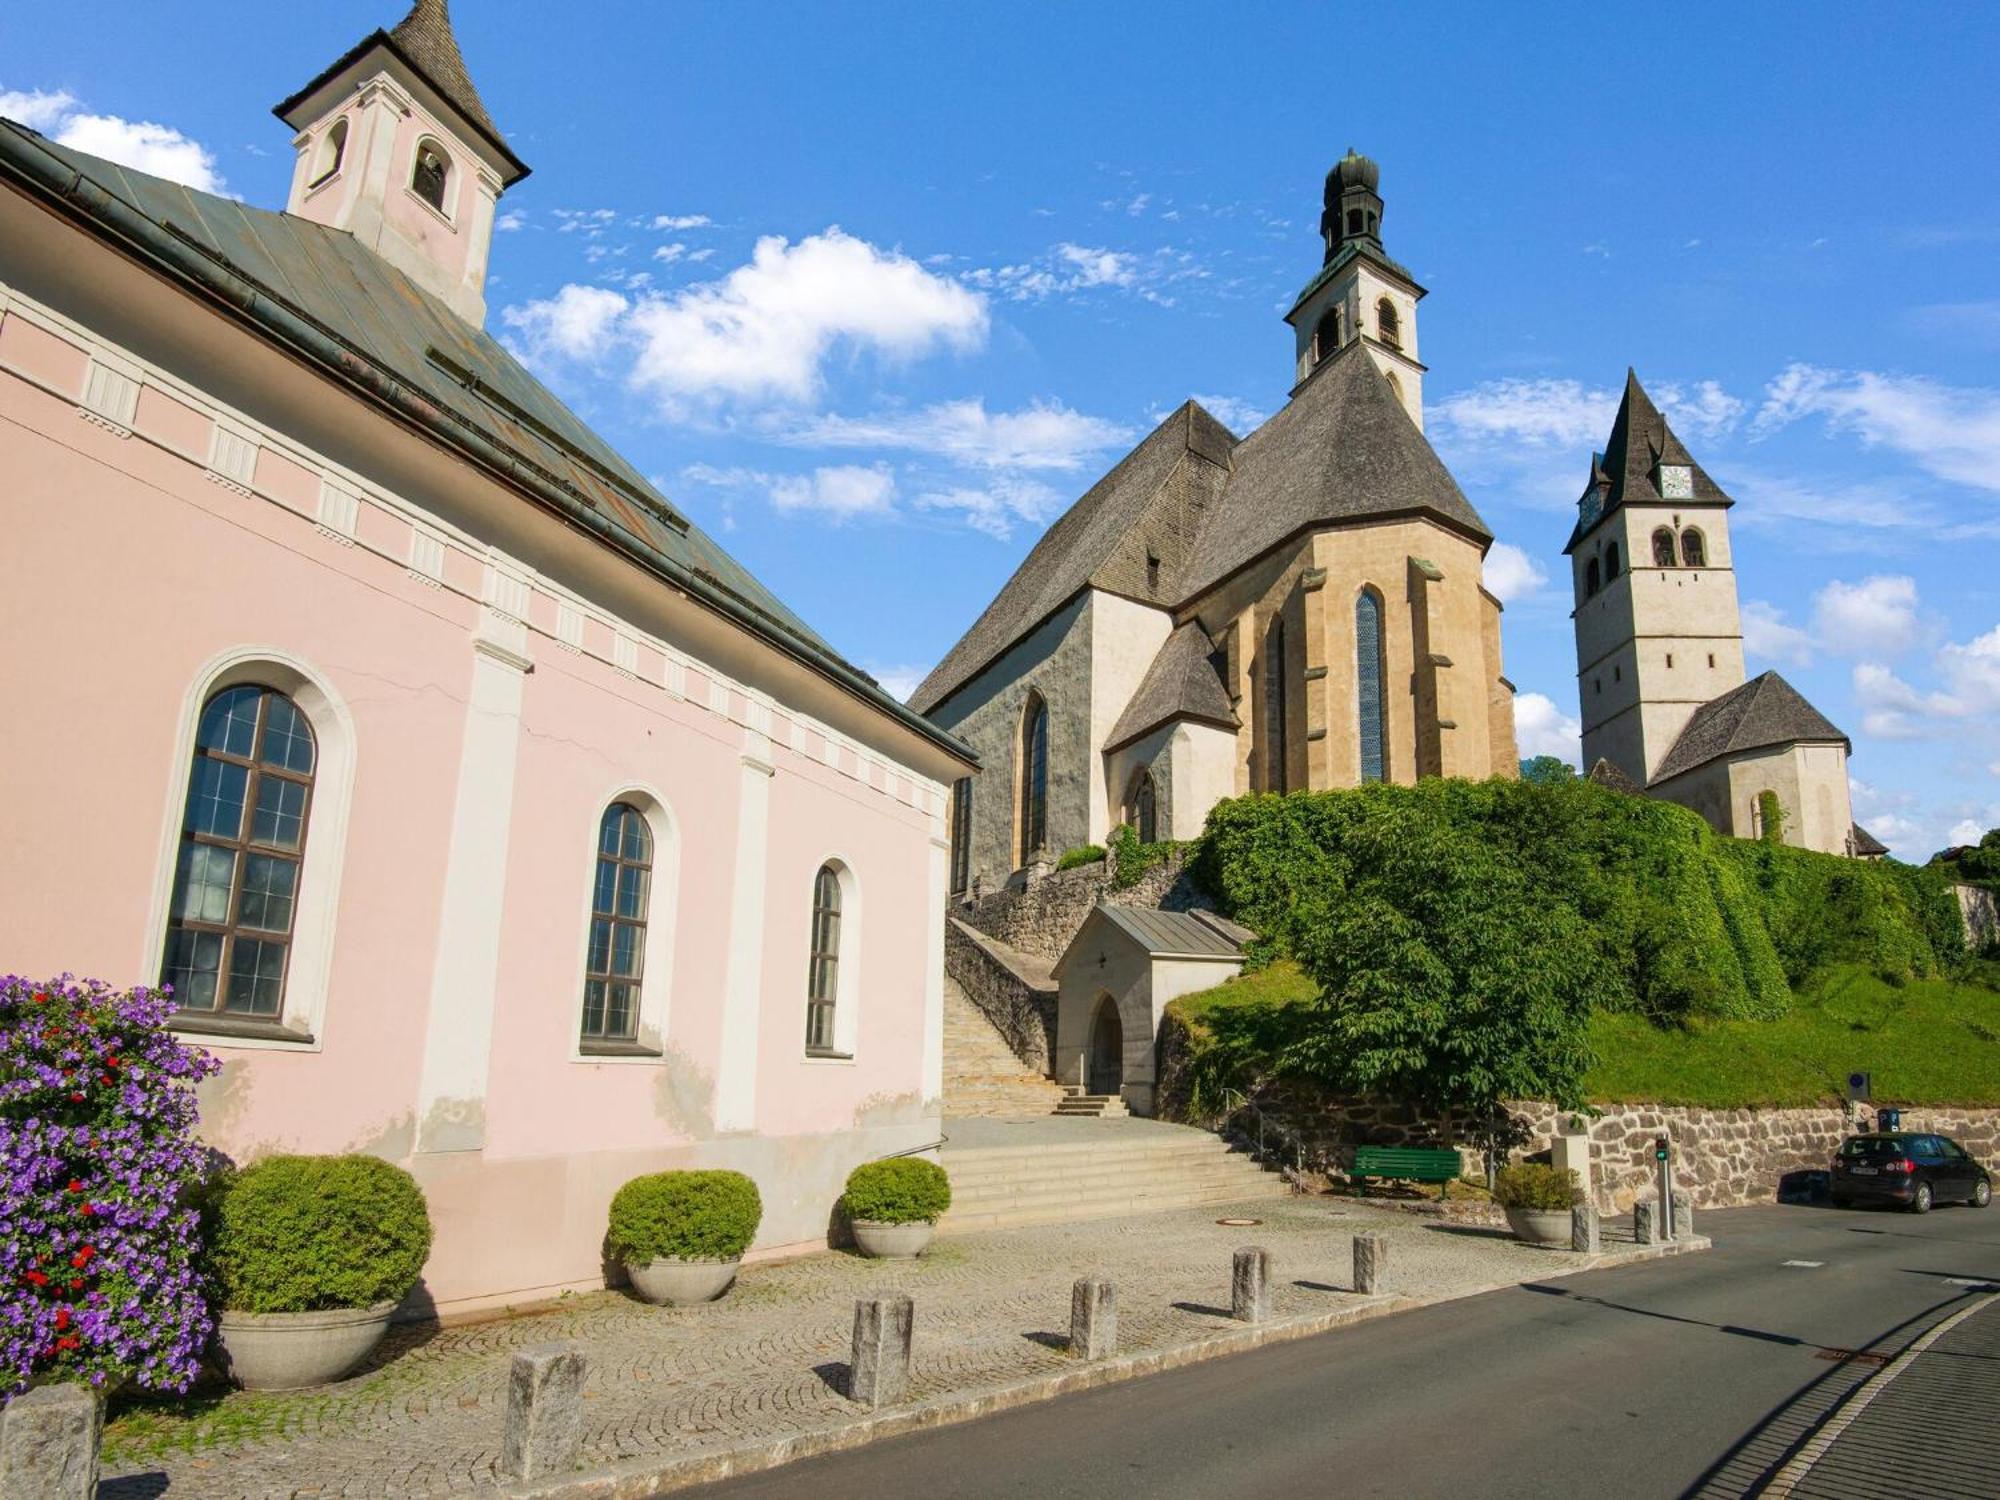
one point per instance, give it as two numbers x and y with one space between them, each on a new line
1021 1005
1042 917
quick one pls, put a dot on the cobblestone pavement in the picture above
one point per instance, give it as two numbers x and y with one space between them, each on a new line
768 1361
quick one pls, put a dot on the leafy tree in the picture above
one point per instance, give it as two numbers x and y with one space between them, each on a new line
1546 769
1979 864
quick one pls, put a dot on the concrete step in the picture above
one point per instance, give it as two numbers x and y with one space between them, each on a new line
1116 1148
1103 1206
1077 1183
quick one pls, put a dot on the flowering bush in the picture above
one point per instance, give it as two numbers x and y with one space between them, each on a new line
98 1160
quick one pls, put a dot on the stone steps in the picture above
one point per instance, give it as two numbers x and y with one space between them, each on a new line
994 1187
982 1076
1092 1106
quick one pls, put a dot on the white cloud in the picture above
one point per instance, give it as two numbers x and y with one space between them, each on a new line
1542 413
38 109
1875 617
144 146
1041 435
1891 709
1238 415
840 492
897 681
1069 269
1952 432
510 221
1767 637
1138 205
996 507
579 323
1511 573
670 253
765 330
1964 831
1705 411
1973 672
681 221
1541 728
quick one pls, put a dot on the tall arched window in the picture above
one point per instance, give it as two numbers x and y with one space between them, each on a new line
615 965
1276 751
1694 549
1663 548
1371 701
430 175
1143 807
823 964
1610 562
1592 579
961 835
243 839
332 147
1388 325
1033 780
1326 337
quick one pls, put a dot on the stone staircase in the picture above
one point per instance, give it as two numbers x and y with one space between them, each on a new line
982 1076
1076 1104
1112 1168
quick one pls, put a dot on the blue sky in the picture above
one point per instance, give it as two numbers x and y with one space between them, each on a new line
876 290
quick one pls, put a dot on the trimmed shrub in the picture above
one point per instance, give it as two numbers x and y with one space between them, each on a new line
1131 859
710 1215
901 1190
1082 854
311 1233
1537 1185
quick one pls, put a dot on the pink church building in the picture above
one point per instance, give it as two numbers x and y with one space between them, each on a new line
484 814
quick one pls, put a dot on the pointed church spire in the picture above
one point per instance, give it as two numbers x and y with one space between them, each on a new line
426 38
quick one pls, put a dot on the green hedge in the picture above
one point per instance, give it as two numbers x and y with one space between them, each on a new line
901 1190
310 1233
708 1215
1537 1185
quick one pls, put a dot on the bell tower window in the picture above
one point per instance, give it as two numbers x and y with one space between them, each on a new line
430 175
1694 551
1326 337
1663 548
332 147
1388 326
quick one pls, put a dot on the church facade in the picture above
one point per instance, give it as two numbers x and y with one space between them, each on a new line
1666 708
1301 607
482 812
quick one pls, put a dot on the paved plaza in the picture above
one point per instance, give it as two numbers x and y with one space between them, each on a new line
769 1360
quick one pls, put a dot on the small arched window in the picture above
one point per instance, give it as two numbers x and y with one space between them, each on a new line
1694 549
1326 337
1354 221
332 147
1663 548
823 965
1371 702
1388 325
243 839
1033 784
430 175
620 895
961 835
1143 808
1610 562
1592 579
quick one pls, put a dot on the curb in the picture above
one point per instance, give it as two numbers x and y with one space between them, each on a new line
640 1478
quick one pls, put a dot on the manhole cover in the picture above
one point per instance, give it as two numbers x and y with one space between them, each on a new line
1239 1223
1853 1356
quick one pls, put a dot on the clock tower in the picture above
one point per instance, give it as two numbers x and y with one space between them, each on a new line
1658 632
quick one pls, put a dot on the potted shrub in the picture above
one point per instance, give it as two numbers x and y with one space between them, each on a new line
894 1205
309 1256
681 1235
1538 1198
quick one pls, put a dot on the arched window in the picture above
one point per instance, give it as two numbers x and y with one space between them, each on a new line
1142 808
1591 579
243 839
1371 702
1610 562
1033 779
430 175
961 835
1395 385
1694 549
1326 337
1663 548
620 897
332 147
1388 325
1354 221
1276 751
823 963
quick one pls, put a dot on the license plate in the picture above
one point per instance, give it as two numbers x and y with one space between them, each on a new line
1863 1171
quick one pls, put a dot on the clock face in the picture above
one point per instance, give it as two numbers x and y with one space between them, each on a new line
1676 482
1591 506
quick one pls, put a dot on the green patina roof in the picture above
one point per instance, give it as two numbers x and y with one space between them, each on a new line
1354 250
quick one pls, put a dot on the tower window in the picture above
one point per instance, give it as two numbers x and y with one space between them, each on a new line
1694 550
1711 658
1592 580
1663 548
1370 700
429 177
1326 337
1611 562
1354 221
1670 661
332 147
1388 326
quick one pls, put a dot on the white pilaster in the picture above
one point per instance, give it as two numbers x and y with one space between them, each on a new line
743 986
934 967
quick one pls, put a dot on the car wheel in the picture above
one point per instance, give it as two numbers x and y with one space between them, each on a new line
1920 1203
1983 1194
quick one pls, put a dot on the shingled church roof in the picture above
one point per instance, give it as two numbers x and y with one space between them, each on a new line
1180 684
1627 471
1764 712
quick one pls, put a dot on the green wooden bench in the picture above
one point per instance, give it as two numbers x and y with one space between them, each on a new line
1405 1164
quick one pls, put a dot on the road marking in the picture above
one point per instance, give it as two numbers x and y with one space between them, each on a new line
1811 1265
1984 1286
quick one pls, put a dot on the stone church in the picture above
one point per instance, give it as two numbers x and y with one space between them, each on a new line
1659 653
1298 608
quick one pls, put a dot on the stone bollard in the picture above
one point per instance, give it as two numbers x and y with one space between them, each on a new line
1683 1217
879 1371
1584 1234
1646 1226
1371 1262
1093 1318
48 1444
544 1412
1250 1285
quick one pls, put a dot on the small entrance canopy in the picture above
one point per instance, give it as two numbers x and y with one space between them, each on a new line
1116 978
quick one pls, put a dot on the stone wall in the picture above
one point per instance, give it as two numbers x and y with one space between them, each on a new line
1018 1000
1982 917
1042 918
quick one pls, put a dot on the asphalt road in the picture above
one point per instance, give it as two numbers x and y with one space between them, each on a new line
1693 1376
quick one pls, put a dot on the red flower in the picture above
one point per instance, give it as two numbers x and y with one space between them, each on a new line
68 1341
76 1286
62 1319
86 1210
111 1061
76 1184
41 997
37 1278
76 1098
82 1257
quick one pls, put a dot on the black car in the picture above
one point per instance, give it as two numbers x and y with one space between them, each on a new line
1908 1169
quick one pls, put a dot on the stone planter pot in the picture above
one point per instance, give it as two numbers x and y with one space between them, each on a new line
1540 1226
893 1241
288 1351
682 1283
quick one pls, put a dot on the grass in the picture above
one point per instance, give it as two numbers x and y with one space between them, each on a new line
1927 1042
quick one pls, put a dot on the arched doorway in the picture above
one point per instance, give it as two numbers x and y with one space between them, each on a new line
1105 1071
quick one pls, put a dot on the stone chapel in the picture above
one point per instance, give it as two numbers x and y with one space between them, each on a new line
1297 608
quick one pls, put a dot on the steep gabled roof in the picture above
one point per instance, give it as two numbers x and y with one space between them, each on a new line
1180 684
1865 844
1342 449
1610 777
1168 480
1627 472
1764 712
